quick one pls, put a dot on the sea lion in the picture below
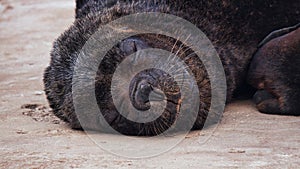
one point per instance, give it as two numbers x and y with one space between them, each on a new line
275 72
234 28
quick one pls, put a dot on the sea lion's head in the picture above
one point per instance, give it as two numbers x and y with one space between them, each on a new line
150 99
153 92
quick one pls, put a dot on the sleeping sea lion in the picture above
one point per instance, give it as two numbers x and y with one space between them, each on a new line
233 27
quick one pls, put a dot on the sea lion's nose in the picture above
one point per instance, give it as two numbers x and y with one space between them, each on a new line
132 45
144 94
140 95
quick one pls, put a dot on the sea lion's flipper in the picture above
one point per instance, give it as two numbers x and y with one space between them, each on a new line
262 95
270 106
278 33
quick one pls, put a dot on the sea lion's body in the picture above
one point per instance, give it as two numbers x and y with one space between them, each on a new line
235 29
275 72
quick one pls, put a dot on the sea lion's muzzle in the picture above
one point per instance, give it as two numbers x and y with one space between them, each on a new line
145 88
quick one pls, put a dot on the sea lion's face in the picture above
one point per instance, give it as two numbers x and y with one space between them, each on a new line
150 90
150 105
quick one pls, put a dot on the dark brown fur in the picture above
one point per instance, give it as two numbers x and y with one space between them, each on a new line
234 27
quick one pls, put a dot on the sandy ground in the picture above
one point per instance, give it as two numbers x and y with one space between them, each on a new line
31 137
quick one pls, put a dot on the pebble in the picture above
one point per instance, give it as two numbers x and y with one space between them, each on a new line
38 93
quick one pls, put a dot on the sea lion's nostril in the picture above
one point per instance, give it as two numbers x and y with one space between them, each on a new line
132 45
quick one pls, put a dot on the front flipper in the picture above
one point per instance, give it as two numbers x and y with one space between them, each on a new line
262 95
266 102
270 106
